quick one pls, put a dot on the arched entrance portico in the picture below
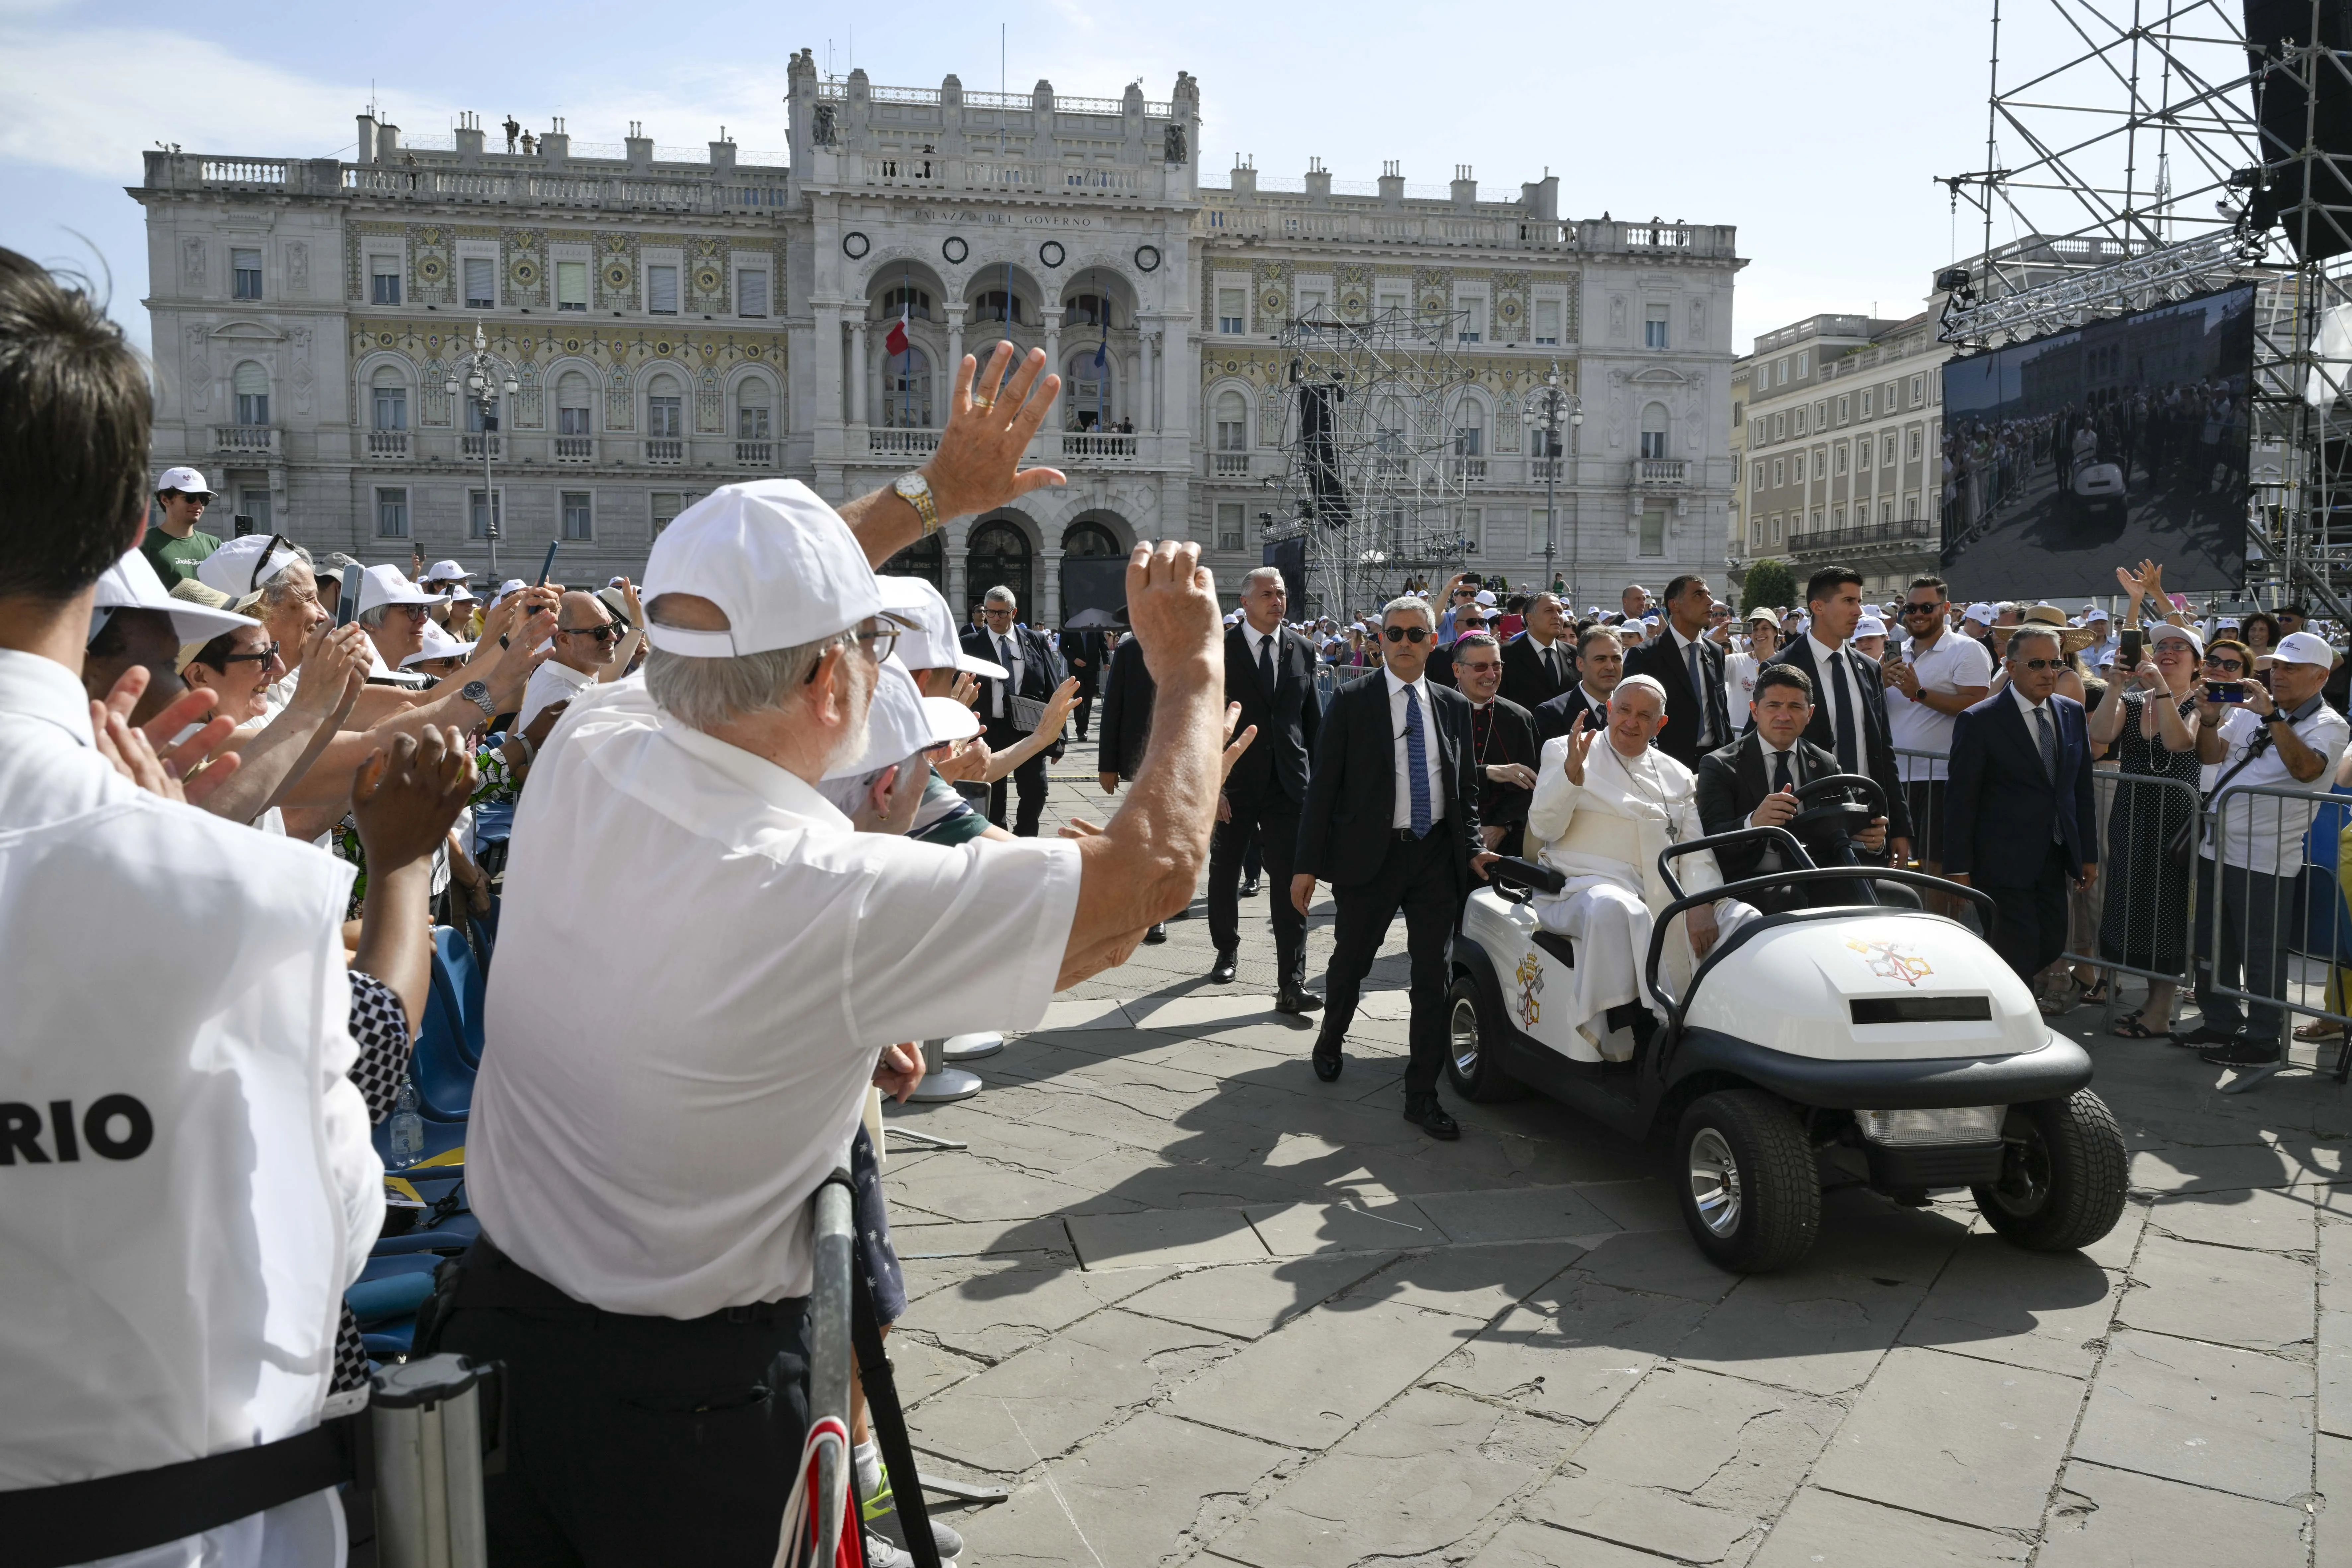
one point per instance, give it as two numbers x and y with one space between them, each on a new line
1094 569
1001 553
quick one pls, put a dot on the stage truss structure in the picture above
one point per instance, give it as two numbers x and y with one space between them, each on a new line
2126 167
1375 477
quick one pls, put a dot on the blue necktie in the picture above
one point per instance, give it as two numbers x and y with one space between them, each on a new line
1416 763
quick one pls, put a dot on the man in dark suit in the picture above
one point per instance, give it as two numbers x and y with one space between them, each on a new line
1601 665
1540 664
2017 817
1752 783
1502 746
1392 822
1689 664
1125 728
1035 673
1850 694
1082 653
1270 671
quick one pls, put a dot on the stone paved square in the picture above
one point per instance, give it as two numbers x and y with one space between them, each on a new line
1189 1305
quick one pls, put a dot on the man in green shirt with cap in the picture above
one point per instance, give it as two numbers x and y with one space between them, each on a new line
176 544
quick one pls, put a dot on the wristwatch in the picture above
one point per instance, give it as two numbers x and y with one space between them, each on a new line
478 692
915 492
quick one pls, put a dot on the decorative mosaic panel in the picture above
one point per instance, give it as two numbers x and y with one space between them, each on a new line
525 252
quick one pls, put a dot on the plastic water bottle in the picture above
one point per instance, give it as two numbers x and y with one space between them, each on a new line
407 1126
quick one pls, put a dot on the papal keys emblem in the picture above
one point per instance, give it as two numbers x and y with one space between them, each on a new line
1531 979
1893 961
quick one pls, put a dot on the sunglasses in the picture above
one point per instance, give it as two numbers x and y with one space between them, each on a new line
2041 664
262 655
2233 666
1927 609
1480 664
609 630
1406 634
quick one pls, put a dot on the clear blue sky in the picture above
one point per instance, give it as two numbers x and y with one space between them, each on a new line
1814 126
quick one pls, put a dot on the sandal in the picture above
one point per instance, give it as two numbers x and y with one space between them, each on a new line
2094 996
2133 1026
2321 1031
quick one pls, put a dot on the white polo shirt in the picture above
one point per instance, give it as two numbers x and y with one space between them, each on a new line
1955 662
167 1290
2261 831
550 684
647 1139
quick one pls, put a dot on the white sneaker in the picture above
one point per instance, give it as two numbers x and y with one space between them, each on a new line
880 1553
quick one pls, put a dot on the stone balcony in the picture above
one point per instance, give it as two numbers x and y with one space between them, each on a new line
259 440
1661 472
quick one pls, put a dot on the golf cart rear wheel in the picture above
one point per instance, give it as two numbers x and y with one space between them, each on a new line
2062 1174
1471 1036
1750 1193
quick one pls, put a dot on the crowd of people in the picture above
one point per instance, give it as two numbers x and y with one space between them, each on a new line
270 775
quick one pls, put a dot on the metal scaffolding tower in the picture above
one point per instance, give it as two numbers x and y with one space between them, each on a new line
2140 170
1377 472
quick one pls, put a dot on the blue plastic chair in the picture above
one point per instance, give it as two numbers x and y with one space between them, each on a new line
443 1076
440 1138
457 975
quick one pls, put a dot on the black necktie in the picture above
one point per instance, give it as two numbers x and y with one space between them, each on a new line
1848 748
1780 779
1265 664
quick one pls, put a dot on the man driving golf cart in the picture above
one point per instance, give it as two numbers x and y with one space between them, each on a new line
1603 811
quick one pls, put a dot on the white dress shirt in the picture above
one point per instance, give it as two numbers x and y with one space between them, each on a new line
649 1141
1554 657
1709 740
1256 641
550 683
1842 671
180 1299
1403 816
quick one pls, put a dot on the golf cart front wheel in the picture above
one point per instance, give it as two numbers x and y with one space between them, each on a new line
1471 1036
2063 1169
1750 1193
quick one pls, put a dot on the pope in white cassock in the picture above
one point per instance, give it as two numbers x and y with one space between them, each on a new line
1601 814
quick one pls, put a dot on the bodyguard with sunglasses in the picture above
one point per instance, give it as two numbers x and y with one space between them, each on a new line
1392 822
2018 818
591 646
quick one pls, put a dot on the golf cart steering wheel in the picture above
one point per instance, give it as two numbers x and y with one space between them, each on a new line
1835 811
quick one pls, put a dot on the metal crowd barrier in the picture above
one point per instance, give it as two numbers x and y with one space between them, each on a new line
2281 935
832 1364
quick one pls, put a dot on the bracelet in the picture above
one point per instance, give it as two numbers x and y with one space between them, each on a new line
528 751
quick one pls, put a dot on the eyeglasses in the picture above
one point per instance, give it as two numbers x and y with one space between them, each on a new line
2041 664
1476 664
262 655
1406 634
1929 608
610 630
1461 625
414 612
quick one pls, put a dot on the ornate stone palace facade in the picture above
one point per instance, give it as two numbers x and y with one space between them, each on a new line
674 319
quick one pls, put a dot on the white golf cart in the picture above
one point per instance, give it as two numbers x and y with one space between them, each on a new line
1894 1034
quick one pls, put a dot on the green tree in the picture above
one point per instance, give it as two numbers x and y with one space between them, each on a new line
1768 581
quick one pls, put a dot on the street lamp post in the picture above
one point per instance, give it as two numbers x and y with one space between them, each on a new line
1544 411
481 375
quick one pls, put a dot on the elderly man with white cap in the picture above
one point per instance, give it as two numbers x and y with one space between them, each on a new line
643 1154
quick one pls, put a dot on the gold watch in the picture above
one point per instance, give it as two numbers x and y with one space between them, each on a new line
915 492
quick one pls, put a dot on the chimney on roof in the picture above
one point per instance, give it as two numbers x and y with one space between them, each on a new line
1319 180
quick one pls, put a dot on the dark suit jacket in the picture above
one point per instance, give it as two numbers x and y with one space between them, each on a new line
1510 738
1558 717
2000 805
1733 781
1877 740
1661 661
1082 652
1346 830
1524 680
1286 721
1041 672
1123 724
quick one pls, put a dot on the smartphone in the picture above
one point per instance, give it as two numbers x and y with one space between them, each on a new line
2225 691
2128 650
347 604
548 564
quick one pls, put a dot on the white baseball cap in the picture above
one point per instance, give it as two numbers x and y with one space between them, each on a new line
1983 614
1870 626
930 641
779 563
2165 631
1487 597
512 586
130 583
2303 647
438 643
2093 613
446 572
386 585
186 480
237 567
902 721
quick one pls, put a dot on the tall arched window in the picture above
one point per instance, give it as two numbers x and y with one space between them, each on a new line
250 384
754 417
1654 430
997 305
912 301
1233 421
572 405
1087 539
664 408
907 390
390 396
1470 429
1000 555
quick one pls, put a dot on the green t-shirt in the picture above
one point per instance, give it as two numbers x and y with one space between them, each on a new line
175 559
